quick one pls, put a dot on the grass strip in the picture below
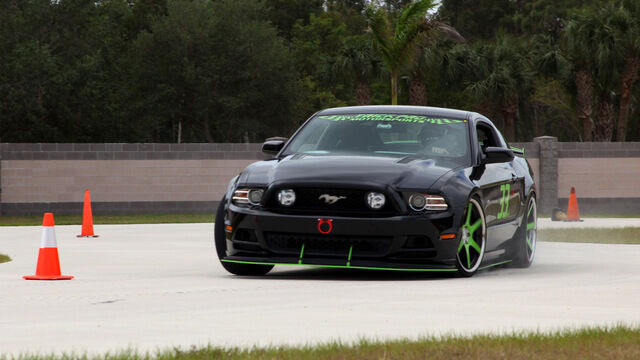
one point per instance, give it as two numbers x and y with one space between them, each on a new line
621 216
4 258
628 235
31 220
586 215
618 342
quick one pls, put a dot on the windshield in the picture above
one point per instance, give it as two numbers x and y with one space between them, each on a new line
384 135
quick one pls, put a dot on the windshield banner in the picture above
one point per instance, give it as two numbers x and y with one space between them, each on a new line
390 117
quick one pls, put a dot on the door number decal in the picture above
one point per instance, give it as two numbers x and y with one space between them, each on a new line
504 201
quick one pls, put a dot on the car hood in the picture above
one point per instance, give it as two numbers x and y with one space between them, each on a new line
408 172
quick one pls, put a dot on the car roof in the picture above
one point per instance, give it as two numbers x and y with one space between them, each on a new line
399 109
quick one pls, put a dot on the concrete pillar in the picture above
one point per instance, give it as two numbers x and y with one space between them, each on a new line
548 186
1 147
1 179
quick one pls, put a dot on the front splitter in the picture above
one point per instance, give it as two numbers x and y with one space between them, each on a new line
350 265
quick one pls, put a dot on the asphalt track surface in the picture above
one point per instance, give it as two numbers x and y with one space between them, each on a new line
150 287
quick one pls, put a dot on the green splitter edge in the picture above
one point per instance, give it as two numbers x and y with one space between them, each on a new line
333 266
353 267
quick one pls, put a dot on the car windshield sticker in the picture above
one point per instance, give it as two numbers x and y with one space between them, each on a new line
390 117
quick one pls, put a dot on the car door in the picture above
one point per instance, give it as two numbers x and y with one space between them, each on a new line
500 190
513 196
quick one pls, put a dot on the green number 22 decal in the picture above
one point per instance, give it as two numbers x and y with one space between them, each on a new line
504 201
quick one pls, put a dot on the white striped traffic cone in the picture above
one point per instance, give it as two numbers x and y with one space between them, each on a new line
48 262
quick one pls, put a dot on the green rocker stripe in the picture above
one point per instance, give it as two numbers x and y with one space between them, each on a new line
333 266
496 264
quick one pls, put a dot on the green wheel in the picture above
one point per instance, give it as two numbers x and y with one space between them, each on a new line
473 235
524 242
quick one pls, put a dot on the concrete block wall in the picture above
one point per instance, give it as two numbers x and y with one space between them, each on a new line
122 178
173 178
606 176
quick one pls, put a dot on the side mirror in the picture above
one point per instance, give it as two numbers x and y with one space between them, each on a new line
497 155
272 147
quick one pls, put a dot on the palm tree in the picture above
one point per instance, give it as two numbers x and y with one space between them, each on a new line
452 64
597 41
417 87
397 42
553 86
581 49
358 62
427 62
501 73
607 58
628 24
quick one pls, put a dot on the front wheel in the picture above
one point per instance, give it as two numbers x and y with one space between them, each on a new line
221 249
524 242
473 235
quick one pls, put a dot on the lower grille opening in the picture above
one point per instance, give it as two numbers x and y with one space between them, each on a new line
416 247
418 242
328 245
246 240
245 235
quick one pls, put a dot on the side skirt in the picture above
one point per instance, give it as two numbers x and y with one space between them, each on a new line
496 264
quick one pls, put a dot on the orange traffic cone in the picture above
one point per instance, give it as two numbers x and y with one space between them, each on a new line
48 262
87 217
572 212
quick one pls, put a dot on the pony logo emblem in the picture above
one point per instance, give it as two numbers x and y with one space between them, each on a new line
325 226
330 199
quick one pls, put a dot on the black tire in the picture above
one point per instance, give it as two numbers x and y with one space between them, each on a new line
524 241
473 238
221 249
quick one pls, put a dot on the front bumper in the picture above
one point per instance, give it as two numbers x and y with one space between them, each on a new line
409 243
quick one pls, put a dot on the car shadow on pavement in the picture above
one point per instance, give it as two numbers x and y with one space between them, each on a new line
328 274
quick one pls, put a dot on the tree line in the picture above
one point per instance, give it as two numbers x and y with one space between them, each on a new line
244 70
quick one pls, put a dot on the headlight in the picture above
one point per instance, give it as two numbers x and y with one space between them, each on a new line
247 196
375 200
417 202
286 197
255 195
420 202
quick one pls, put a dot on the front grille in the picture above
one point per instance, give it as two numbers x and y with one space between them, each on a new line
327 245
351 202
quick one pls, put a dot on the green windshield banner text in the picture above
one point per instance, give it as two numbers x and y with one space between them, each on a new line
391 117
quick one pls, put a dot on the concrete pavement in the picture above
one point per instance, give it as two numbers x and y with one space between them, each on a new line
157 286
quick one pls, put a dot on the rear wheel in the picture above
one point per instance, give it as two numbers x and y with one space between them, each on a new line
472 239
524 242
221 249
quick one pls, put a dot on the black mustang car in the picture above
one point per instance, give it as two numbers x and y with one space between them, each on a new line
382 187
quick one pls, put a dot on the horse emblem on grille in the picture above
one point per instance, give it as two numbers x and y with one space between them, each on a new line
330 199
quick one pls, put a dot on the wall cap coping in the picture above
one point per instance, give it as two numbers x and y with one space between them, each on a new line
545 138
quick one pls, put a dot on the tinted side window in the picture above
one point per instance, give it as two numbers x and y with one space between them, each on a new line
486 137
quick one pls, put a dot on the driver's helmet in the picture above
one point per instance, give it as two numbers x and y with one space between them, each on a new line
430 133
